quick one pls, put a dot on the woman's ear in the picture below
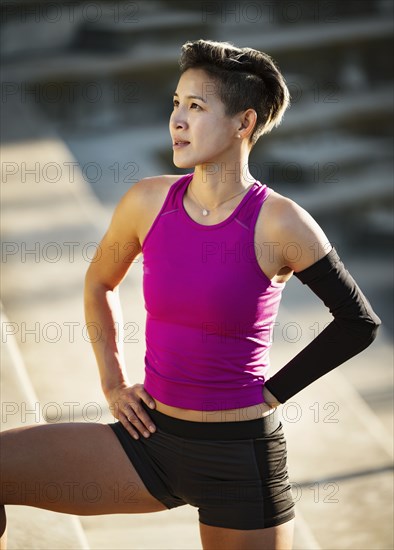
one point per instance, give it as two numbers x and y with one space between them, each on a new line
247 123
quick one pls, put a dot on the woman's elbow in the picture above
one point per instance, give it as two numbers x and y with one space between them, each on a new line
369 329
95 283
375 324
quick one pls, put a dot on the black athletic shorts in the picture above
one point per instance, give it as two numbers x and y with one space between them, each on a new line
235 473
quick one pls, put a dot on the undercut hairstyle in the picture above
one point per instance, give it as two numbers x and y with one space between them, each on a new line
245 79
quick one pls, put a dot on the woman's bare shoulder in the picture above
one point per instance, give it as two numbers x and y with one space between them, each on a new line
285 213
144 200
155 184
290 225
147 192
279 204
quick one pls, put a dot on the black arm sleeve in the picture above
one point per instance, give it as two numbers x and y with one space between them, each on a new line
353 329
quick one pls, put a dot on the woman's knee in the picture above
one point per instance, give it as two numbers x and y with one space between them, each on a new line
279 537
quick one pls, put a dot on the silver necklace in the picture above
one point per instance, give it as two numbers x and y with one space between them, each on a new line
205 211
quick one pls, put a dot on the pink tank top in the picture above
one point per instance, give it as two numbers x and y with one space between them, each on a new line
210 308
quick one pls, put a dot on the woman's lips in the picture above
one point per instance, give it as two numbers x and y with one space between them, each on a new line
180 144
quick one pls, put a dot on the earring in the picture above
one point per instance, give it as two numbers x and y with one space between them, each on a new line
238 135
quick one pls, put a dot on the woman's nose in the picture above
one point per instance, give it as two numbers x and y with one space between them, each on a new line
177 121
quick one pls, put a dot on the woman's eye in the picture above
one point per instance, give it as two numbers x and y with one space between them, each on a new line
194 106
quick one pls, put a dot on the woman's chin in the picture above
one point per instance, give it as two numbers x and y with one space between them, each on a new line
180 164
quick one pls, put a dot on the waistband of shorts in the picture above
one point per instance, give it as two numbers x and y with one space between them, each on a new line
243 429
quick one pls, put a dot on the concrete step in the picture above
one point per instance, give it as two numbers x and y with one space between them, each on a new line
348 112
359 190
324 157
26 525
46 253
34 28
111 33
327 30
120 164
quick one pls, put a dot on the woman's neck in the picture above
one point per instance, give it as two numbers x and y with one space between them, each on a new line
216 182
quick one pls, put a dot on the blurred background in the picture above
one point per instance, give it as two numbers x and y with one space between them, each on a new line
86 96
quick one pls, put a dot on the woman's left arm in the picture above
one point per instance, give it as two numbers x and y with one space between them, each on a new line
318 265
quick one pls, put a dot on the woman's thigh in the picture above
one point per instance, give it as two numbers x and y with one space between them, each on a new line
271 538
75 468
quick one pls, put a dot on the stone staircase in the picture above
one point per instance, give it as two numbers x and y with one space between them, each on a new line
332 154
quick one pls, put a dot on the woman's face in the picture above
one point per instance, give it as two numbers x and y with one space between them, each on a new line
200 130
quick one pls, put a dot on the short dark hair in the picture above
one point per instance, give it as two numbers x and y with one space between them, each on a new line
245 79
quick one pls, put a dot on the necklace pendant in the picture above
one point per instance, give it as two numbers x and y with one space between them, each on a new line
205 212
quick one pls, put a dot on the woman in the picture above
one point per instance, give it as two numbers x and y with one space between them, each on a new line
203 428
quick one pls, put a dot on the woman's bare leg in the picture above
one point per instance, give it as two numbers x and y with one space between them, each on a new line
74 468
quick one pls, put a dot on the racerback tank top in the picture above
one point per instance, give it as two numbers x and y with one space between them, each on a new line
210 308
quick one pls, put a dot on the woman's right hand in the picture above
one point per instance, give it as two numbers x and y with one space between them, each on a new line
125 404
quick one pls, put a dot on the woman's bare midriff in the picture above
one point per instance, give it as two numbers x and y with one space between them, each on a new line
224 415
